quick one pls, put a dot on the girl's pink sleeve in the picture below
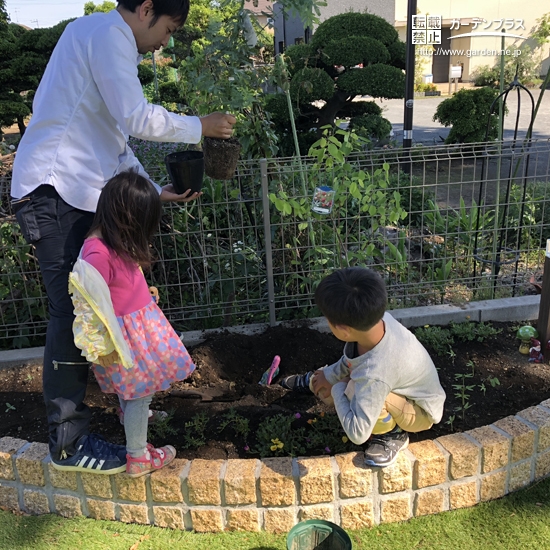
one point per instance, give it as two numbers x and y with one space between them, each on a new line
98 257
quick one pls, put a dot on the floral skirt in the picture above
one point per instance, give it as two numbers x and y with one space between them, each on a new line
159 356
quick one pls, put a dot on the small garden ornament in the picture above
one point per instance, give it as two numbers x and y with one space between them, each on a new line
525 333
535 355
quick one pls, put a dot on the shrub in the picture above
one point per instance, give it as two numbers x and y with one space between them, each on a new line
485 76
425 87
467 112
371 126
300 56
311 84
375 80
362 108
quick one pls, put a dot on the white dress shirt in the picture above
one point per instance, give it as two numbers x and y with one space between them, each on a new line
87 104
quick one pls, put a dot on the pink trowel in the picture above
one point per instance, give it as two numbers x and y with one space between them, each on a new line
271 372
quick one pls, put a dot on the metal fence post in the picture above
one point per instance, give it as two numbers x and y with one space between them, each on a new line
267 243
543 324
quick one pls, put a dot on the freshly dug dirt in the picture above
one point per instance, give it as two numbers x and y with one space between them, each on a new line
229 367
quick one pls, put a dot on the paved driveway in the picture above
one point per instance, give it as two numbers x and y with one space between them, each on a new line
428 132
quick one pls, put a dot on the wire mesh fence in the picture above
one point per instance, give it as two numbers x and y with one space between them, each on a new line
442 224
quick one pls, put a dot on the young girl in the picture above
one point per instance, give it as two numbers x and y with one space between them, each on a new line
118 325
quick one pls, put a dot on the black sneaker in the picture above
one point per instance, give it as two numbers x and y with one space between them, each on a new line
383 449
94 455
297 382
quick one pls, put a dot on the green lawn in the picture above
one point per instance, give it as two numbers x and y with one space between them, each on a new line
518 522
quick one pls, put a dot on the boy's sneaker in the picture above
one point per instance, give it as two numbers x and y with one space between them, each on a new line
94 455
154 416
152 460
383 449
298 382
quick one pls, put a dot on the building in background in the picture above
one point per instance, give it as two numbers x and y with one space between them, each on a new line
262 12
290 30
471 16
457 17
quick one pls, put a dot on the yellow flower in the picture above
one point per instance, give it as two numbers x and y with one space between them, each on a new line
345 439
273 447
280 445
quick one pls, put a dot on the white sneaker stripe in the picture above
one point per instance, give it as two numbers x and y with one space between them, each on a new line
92 462
83 461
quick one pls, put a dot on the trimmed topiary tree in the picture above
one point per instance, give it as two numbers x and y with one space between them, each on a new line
467 112
350 55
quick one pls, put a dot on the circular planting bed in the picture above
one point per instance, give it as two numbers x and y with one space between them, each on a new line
253 458
222 411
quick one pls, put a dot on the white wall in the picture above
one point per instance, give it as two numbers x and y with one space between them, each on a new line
489 10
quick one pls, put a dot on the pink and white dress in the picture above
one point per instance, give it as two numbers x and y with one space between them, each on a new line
158 355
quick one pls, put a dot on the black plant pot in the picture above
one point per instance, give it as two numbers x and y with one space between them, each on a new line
186 170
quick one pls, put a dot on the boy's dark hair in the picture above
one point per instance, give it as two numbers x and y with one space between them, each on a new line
176 9
128 214
355 297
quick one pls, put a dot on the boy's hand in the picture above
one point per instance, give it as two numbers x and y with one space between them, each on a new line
108 360
218 125
321 386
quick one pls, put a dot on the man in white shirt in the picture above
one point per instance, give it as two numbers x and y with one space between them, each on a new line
89 101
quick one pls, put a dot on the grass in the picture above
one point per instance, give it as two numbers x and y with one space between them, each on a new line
518 521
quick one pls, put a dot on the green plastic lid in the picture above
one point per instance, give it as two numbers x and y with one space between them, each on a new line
317 534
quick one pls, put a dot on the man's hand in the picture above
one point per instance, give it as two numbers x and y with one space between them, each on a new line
108 360
321 386
218 125
168 194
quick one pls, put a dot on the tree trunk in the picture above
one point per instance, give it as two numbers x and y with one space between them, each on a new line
330 110
21 124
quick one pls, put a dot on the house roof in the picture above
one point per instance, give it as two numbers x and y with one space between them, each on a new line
263 6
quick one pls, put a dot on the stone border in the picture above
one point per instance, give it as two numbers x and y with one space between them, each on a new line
273 494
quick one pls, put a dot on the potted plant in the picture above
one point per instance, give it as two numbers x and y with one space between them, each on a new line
220 76
221 157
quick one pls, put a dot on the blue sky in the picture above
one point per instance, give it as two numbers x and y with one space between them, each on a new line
44 13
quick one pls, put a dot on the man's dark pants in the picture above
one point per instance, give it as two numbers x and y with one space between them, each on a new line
57 231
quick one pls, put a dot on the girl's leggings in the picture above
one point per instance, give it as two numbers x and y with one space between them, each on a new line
136 418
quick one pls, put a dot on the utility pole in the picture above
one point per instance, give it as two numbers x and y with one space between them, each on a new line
409 87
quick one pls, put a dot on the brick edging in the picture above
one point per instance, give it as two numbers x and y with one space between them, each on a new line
273 494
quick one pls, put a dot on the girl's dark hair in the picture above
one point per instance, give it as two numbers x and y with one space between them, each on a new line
176 9
355 297
128 214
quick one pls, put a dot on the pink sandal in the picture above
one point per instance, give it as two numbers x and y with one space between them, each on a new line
152 460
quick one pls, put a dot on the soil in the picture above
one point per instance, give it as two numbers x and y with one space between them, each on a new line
229 367
221 157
